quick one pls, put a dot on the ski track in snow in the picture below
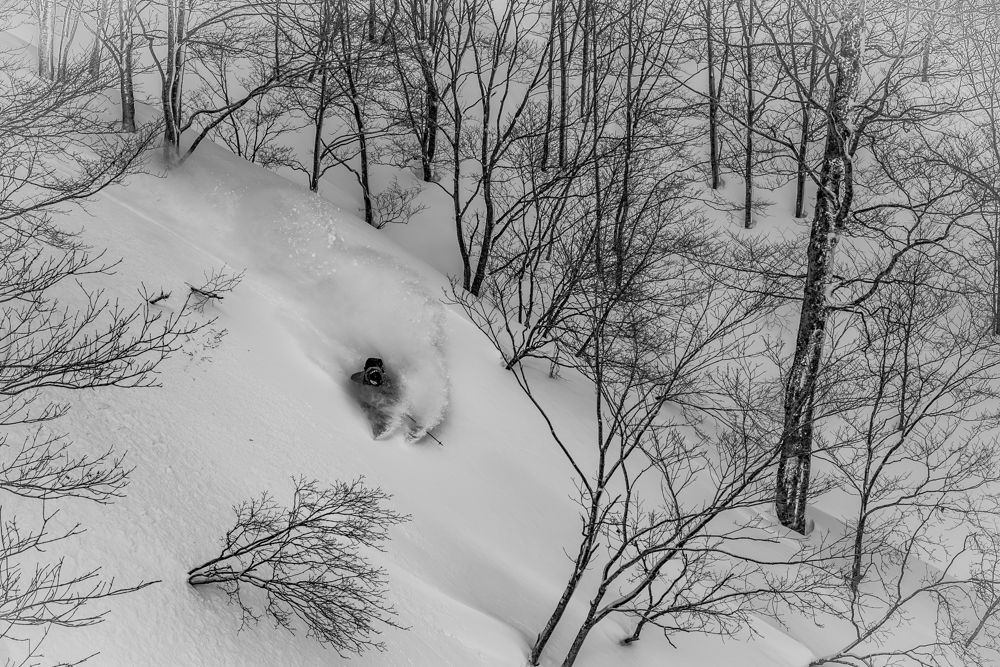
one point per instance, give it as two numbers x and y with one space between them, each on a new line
359 301
356 301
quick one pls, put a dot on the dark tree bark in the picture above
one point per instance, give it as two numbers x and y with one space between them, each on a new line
70 24
802 172
563 84
347 57
549 87
996 269
833 205
713 99
318 122
930 27
749 76
100 30
125 60
172 74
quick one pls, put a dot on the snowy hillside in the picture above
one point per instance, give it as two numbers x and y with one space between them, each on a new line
475 571
731 392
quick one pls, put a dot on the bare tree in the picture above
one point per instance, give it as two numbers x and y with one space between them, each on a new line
342 96
972 148
646 326
914 387
417 32
179 33
57 152
115 27
252 131
911 449
306 559
716 65
859 116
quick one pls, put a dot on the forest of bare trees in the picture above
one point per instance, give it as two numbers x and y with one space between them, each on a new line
766 231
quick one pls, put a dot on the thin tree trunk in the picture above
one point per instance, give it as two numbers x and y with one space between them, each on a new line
624 202
125 60
169 123
348 52
46 29
549 91
833 204
482 264
929 28
563 84
588 27
317 161
580 565
858 549
70 24
802 157
748 39
430 132
100 31
585 628
996 269
456 197
277 34
172 81
127 92
713 101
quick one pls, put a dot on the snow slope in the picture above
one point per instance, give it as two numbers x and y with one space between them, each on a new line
476 571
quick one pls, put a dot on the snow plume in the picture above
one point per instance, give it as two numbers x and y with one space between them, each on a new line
358 299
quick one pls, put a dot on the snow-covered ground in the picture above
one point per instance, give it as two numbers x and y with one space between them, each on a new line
479 567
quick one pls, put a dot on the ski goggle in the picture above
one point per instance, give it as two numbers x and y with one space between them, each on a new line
373 375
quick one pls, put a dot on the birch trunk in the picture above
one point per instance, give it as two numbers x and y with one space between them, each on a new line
833 204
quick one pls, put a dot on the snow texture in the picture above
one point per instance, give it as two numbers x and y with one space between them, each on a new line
363 302
476 572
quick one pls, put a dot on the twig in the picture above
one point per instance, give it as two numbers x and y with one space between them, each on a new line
162 296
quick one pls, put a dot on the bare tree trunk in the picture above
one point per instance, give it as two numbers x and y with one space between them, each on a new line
858 548
125 60
833 204
172 89
100 31
713 100
353 93
996 269
580 565
749 77
489 214
563 84
549 92
586 65
318 121
70 23
127 93
585 628
456 198
46 30
277 34
802 158
930 26
430 132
